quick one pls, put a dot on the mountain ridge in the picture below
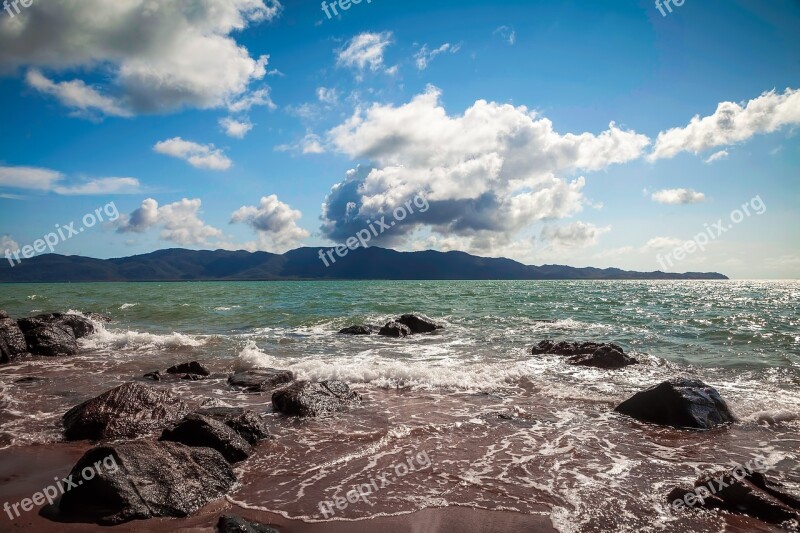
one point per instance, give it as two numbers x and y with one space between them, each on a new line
178 264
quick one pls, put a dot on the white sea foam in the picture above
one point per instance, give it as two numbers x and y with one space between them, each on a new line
118 339
127 306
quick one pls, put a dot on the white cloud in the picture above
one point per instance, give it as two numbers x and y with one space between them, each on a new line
507 33
487 174
7 244
717 156
29 178
575 235
101 186
730 124
310 144
162 55
364 51
662 243
179 222
197 155
76 95
678 196
258 98
327 96
275 224
424 56
235 128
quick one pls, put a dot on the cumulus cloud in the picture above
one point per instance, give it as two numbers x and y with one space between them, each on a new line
424 56
235 128
364 51
162 54
7 244
274 222
731 123
490 172
179 222
310 144
76 95
678 196
197 155
29 178
575 235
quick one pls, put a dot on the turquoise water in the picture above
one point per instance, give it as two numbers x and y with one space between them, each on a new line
559 448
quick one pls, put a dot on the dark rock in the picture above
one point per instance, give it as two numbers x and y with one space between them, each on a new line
752 494
189 368
29 381
358 330
681 403
125 411
246 423
571 348
51 340
305 398
603 357
200 431
418 324
153 376
235 524
395 329
80 325
261 380
3 314
12 339
145 480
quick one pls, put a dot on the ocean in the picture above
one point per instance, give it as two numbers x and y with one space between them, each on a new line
503 429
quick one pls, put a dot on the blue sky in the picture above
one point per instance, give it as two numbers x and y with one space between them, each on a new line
249 124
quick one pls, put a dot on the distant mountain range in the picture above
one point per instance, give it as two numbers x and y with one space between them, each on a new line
304 264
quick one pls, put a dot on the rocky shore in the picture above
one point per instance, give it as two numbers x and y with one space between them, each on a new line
171 459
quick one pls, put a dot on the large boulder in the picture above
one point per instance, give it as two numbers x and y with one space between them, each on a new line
200 431
305 398
193 368
395 329
603 357
418 324
571 349
261 380
740 492
51 340
13 339
359 330
125 411
246 423
682 403
80 325
237 524
145 480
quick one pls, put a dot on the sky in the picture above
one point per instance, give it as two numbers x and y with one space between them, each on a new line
631 134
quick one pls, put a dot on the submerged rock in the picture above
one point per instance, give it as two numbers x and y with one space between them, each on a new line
80 325
51 340
12 339
418 324
246 423
200 431
236 524
261 380
146 480
189 368
603 357
359 330
125 411
682 403
571 348
738 492
305 398
395 329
